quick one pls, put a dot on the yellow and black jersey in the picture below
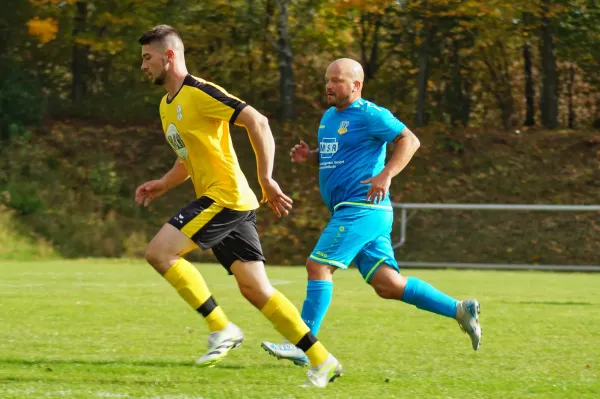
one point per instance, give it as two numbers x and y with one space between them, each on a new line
196 125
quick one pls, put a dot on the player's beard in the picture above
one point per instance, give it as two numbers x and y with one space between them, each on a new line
331 99
160 80
338 101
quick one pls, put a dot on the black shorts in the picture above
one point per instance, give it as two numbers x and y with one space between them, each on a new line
231 234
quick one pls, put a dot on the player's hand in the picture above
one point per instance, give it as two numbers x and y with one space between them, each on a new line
279 202
300 152
150 190
380 185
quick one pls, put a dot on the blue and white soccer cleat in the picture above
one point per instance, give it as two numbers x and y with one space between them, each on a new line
467 315
321 375
288 351
220 343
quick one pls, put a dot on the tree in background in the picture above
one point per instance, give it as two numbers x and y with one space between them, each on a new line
453 62
549 100
286 59
527 31
578 52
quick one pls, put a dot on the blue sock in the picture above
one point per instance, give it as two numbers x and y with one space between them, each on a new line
424 296
318 298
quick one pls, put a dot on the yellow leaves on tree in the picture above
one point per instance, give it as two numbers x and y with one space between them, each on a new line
43 29
374 6
43 3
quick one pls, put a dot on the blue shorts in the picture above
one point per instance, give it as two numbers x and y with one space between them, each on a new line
358 234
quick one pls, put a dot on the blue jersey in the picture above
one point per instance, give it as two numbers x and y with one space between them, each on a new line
352 147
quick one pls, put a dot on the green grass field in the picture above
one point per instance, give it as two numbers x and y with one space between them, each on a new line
115 329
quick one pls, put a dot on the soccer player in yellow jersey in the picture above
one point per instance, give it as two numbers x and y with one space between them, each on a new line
195 117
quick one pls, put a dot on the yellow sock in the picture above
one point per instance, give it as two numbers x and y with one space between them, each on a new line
287 321
190 285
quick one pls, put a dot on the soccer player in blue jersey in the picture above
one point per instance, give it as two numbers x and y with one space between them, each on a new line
354 182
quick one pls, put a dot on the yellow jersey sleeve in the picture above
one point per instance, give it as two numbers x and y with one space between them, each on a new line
215 102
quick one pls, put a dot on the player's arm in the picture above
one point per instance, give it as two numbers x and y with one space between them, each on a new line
301 153
313 157
406 146
261 138
263 144
155 188
177 175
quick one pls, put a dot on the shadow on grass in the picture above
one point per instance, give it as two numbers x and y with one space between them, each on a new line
119 362
53 370
551 303
47 363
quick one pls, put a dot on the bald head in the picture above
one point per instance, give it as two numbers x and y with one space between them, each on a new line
350 68
344 78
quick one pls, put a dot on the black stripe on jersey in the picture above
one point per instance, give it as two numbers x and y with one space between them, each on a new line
237 111
218 95
171 100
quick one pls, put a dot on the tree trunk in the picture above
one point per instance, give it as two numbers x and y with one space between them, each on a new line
249 47
500 84
370 62
466 103
286 72
571 122
529 91
423 76
597 112
458 89
549 74
79 62
266 49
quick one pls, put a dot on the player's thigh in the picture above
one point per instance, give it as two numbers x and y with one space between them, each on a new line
167 244
241 245
377 253
347 233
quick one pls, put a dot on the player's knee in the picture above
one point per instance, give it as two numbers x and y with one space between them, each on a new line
157 258
318 271
389 289
247 291
384 291
152 255
256 294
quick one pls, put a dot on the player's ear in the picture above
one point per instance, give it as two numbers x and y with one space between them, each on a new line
170 54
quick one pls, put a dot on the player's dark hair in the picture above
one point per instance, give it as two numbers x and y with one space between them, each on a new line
158 34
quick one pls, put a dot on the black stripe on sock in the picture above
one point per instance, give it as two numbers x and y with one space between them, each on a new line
207 307
307 342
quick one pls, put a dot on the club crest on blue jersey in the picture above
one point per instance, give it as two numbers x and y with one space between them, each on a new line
343 127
